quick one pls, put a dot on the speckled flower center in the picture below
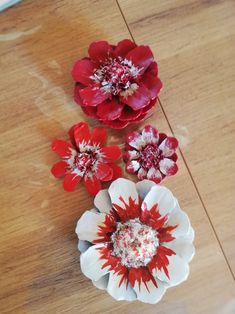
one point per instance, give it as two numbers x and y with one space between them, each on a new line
116 75
150 156
83 162
135 243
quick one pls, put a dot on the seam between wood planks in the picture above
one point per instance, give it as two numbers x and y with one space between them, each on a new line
184 160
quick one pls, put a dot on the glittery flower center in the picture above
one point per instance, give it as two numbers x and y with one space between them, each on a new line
135 243
117 76
150 156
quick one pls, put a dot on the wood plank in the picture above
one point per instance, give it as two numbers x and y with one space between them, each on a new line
194 42
39 258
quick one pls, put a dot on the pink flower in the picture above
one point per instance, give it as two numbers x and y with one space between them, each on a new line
117 84
151 155
86 159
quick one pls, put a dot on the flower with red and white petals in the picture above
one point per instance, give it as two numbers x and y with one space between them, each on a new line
117 84
150 155
86 158
137 242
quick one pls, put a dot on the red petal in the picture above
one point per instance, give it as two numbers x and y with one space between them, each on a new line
139 99
168 167
128 114
62 148
169 146
98 136
93 95
79 132
82 70
70 181
111 153
116 124
90 111
92 185
117 171
59 169
77 97
124 46
141 56
104 172
109 110
153 84
100 51
150 105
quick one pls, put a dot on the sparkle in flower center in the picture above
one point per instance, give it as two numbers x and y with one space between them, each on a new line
150 156
84 162
135 243
117 76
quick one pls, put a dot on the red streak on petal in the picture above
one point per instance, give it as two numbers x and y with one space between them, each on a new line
108 227
130 210
140 275
165 234
152 217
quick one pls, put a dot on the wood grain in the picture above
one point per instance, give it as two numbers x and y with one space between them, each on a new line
39 42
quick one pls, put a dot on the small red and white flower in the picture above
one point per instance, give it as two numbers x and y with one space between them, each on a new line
137 242
117 84
86 159
150 155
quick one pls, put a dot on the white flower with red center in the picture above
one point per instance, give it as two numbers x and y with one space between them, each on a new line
137 242
150 155
86 159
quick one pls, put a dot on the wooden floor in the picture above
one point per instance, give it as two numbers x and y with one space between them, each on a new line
194 43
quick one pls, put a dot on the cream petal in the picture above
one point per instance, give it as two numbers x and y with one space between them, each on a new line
190 235
179 218
88 225
83 245
91 264
182 248
143 187
102 201
102 283
122 292
178 271
163 197
151 295
122 188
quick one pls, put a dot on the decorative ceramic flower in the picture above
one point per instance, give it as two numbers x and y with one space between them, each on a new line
137 242
86 159
151 155
117 84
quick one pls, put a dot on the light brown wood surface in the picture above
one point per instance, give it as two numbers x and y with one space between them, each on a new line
39 41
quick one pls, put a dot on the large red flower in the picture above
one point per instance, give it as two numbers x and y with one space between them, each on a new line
86 159
117 84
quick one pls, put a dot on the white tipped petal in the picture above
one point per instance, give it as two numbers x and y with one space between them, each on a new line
88 225
163 197
91 264
120 293
182 248
151 295
83 245
102 283
150 135
143 187
178 271
102 201
122 188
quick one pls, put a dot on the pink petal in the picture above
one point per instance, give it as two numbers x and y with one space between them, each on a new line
154 175
100 51
134 139
153 84
93 96
110 109
123 47
62 148
168 167
152 69
150 106
142 174
128 114
70 181
141 56
59 169
79 133
117 171
92 185
139 99
104 172
132 166
82 70
169 146
111 153
98 136
77 97
150 134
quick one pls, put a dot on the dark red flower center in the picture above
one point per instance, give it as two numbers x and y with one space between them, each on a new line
84 162
116 76
134 243
150 156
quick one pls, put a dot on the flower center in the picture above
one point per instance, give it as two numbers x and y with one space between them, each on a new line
150 156
135 243
83 162
117 76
